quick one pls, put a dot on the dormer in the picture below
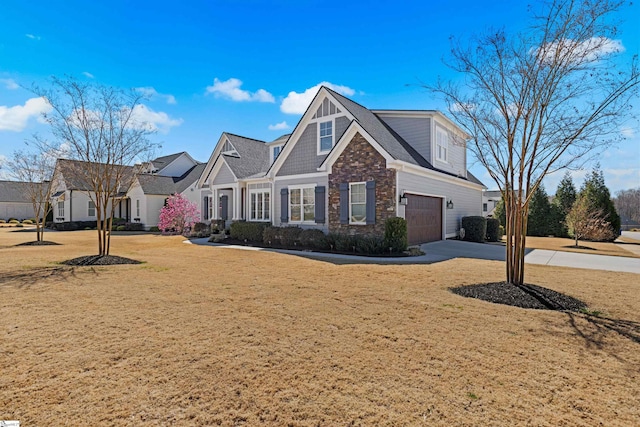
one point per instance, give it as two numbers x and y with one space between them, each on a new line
325 117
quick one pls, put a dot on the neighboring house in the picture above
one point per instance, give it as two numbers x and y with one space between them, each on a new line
15 201
348 169
490 200
140 201
626 224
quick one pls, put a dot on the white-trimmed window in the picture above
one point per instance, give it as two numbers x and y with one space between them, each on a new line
442 144
61 209
259 205
138 208
357 203
302 204
325 136
91 209
275 152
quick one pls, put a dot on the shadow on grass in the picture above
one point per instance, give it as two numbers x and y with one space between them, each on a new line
32 276
597 327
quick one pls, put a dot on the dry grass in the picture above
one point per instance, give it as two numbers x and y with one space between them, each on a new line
566 245
214 336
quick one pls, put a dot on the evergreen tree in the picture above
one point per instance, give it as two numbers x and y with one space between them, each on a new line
562 203
598 197
500 214
539 213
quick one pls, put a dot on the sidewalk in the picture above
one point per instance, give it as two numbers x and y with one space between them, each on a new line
449 249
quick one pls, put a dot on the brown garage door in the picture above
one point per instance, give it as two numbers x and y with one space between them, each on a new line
424 218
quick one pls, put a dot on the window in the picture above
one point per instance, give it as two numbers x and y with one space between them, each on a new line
357 203
210 213
302 204
484 207
275 152
326 136
91 211
260 205
138 208
61 210
442 144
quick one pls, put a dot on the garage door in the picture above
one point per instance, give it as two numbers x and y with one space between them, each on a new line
424 218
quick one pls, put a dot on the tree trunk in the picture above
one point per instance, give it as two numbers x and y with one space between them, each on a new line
516 240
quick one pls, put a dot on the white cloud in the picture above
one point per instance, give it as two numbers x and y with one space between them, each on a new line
154 120
15 118
230 89
32 37
10 84
628 132
88 74
279 126
585 51
297 103
151 92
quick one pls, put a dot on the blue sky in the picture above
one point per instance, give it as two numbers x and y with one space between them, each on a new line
244 66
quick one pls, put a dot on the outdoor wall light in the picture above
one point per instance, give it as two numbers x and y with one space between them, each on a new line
450 204
403 200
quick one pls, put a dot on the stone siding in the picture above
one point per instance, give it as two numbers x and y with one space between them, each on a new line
361 162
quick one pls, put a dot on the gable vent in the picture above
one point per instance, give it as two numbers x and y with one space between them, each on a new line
327 108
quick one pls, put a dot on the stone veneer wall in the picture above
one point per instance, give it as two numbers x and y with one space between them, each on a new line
361 162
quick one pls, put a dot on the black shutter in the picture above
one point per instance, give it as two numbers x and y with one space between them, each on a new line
371 202
224 207
205 213
320 203
284 205
344 203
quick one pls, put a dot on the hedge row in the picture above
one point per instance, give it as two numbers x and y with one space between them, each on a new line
481 229
84 225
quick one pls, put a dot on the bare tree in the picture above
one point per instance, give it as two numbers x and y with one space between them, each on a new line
35 169
628 203
588 222
540 101
99 127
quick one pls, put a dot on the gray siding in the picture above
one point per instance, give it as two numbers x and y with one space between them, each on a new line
303 157
225 176
415 130
456 162
286 183
466 201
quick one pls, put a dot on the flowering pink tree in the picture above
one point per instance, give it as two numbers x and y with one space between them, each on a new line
178 215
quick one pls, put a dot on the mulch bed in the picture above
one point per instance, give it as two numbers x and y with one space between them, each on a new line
36 243
100 260
526 296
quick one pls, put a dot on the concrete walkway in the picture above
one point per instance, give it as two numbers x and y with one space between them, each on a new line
449 249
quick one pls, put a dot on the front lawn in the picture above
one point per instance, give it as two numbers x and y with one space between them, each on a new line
215 336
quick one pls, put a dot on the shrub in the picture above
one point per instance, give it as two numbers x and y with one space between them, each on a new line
493 230
395 234
344 242
154 229
502 231
118 221
19 225
271 235
27 221
200 227
250 231
120 228
371 244
14 221
2 221
313 238
290 236
475 228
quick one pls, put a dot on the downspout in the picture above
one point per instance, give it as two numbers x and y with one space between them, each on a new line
70 205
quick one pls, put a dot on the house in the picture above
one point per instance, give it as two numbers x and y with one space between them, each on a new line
145 189
490 200
346 168
15 201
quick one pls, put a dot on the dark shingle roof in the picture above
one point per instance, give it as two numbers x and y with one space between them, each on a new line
163 161
158 184
76 179
252 159
389 139
16 191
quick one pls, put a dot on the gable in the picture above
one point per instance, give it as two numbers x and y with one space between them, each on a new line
178 166
223 174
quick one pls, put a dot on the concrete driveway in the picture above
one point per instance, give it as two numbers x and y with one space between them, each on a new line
459 249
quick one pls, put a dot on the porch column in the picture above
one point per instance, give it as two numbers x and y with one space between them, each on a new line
237 200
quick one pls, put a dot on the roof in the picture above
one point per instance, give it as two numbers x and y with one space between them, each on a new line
252 159
77 181
389 139
165 185
16 191
163 161
492 193
281 139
